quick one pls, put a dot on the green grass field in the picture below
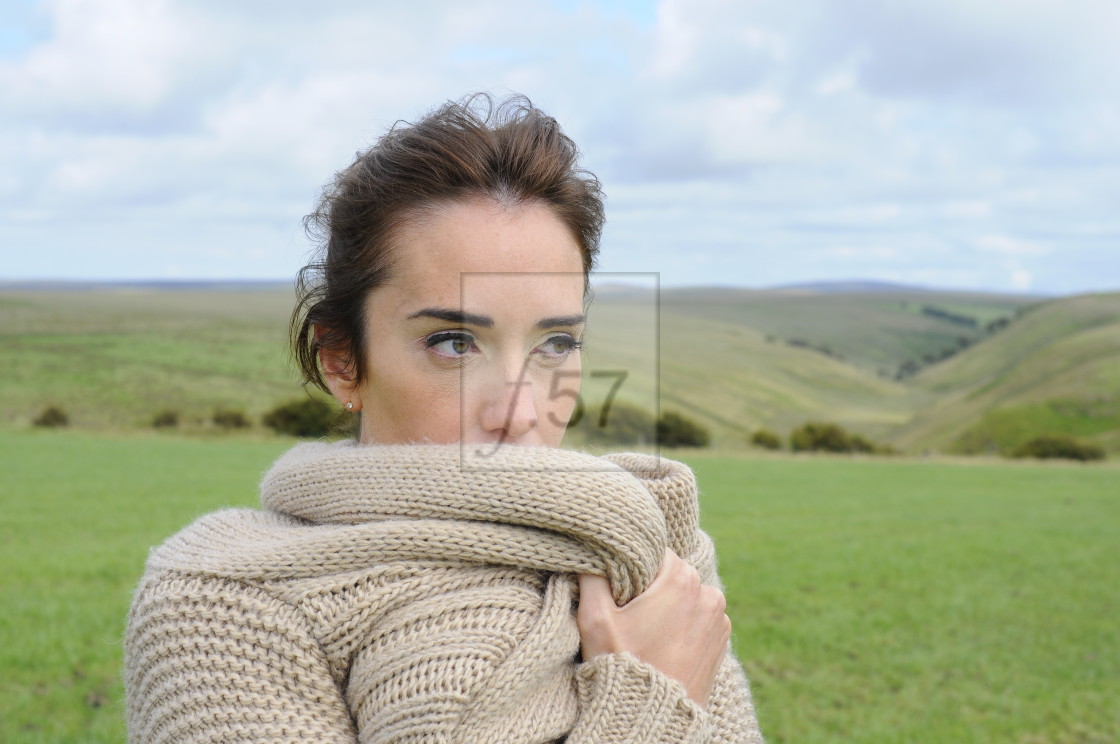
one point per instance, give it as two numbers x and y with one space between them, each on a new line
920 602
79 514
873 601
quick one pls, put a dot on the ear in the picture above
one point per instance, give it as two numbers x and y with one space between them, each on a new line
340 379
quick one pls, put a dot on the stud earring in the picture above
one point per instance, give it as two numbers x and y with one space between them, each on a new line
349 406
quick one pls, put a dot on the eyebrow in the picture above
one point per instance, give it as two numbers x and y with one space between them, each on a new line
485 321
454 316
561 320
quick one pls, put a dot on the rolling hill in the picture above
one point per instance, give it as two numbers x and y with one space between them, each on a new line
1056 369
735 359
114 356
876 330
735 378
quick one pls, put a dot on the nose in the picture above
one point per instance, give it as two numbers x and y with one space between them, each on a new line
511 411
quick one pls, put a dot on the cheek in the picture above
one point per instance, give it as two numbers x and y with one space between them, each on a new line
557 394
408 406
432 410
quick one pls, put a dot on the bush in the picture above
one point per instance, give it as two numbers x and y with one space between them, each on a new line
676 430
52 416
624 423
861 444
766 439
818 436
306 417
1059 446
225 418
166 419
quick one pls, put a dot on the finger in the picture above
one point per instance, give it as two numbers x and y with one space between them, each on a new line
594 592
669 564
680 575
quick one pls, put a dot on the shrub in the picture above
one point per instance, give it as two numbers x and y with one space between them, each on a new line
766 439
52 416
818 436
676 430
166 419
1059 446
625 423
997 325
909 368
305 417
859 443
942 314
225 418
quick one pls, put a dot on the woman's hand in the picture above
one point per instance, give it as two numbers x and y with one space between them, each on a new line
677 625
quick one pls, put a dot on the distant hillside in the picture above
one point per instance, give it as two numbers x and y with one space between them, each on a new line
878 331
1056 369
116 355
855 285
735 380
735 359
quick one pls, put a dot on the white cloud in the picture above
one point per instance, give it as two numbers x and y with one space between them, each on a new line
943 139
867 215
877 252
109 63
974 209
837 82
1021 279
1008 246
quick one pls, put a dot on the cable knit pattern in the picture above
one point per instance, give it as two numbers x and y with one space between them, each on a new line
419 593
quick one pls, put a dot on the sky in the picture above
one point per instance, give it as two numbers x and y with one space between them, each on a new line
944 143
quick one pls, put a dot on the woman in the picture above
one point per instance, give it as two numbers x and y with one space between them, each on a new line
419 584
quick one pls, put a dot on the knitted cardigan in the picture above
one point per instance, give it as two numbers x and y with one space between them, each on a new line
419 593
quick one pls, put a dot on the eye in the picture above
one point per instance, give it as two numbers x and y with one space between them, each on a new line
558 346
452 344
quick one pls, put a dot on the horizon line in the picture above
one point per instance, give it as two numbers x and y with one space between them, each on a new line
822 285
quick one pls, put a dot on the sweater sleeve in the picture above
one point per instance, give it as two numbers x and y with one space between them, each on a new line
730 706
214 660
732 710
623 699
731 717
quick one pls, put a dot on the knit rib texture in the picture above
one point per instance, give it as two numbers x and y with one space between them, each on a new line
419 593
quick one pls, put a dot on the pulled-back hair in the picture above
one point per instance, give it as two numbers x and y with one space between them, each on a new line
507 151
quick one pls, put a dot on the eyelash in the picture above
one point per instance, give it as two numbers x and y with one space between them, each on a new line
572 344
434 340
438 338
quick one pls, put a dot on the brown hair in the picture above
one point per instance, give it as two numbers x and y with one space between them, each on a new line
507 151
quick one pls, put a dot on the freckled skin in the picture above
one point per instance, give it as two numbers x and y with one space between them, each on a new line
512 381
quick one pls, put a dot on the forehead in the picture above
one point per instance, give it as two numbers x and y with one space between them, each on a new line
483 247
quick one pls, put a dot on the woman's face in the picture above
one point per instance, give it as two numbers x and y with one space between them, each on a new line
476 336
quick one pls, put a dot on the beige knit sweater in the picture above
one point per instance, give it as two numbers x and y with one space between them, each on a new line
419 593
